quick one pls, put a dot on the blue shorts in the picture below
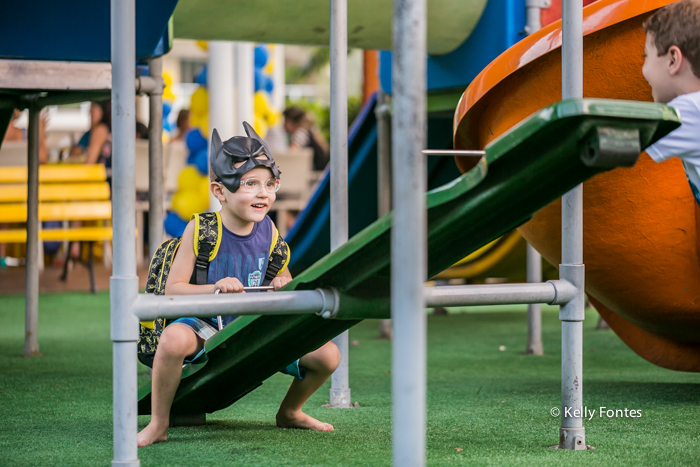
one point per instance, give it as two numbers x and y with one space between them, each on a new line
205 330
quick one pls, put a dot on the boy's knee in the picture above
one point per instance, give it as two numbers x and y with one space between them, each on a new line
330 357
176 341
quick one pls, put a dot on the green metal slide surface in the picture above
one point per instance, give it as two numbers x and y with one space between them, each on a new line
525 169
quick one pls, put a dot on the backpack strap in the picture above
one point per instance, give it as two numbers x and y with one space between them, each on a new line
279 257
207 239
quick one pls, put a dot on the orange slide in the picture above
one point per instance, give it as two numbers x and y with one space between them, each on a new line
640 223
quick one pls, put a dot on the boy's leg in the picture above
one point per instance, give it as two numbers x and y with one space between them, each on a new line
320 364
176 343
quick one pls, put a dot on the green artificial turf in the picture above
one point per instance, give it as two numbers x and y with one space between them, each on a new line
493 405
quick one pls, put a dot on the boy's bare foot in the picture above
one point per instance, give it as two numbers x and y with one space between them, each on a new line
151 434
301 420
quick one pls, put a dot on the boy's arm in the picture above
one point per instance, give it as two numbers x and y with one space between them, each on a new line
684 140
178 282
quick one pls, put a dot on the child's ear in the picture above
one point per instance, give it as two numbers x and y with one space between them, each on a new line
217 190
675 60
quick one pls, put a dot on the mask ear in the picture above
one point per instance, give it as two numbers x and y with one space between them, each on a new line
250 132
216 144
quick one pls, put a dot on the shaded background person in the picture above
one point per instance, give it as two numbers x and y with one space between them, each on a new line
96 143
303 134
183 125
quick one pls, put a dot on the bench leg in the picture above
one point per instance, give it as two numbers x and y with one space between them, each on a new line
64 276
91 267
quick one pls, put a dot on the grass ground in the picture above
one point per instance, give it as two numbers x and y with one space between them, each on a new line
485 406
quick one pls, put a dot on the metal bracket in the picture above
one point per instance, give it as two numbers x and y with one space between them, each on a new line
149 85
574 309
331 303
611 147
538 3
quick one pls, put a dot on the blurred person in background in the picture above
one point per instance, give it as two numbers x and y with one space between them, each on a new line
183 125
303 134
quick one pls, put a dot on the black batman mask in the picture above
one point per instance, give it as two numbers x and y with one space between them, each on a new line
224 157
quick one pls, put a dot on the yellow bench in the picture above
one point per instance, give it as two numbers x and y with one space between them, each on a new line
67 193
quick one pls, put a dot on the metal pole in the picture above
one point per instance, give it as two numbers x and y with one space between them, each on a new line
383 113
534 310
123 282
409 233
31 293
245 85
155 159
572 432
220 85
340 383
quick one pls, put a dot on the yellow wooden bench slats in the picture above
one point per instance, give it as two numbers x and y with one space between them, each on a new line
17 192
77 234
82 210
56 173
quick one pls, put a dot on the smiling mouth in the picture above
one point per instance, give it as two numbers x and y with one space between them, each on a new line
259 206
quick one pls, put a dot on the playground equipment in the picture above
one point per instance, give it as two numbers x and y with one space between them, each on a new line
640 223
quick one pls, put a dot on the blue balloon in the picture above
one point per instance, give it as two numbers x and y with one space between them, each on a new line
259 78
269 85
201 76
167 108
195 141
261 55
174 226
201 161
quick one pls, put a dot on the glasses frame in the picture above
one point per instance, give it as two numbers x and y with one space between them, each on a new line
264 185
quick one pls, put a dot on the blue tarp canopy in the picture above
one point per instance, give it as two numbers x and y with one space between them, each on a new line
77 30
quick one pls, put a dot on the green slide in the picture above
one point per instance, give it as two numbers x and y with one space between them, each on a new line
524 170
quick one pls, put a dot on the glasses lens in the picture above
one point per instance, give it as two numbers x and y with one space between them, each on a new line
272 185
251 185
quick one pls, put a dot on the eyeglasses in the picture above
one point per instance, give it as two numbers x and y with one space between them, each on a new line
253 185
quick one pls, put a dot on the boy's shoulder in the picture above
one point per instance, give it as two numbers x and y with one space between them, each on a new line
683 141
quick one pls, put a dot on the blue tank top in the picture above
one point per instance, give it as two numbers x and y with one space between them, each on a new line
244 257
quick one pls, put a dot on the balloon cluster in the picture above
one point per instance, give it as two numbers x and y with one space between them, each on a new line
265 115
192 195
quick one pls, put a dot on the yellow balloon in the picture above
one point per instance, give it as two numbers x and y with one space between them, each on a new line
260 126
200 121
272 118
204 186
188 202
168 89
260 103
204 45
189 179
199 103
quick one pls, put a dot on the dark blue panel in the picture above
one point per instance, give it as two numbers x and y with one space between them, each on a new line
500 26
309 239
76 30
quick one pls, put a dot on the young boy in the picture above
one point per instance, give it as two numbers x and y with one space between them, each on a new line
244 178
672 68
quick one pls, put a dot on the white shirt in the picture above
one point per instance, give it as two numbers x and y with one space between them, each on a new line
684 141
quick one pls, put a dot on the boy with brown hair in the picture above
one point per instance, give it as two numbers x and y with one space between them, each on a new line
672 68
245 180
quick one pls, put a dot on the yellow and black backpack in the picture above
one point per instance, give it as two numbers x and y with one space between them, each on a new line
207 238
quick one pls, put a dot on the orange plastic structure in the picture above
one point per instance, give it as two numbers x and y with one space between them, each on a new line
640 235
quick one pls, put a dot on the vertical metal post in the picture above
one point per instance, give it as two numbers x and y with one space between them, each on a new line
572 432
220 86
383 113
123 282
31 293
409 233
534 310
245 84
533 23
155 158
340 384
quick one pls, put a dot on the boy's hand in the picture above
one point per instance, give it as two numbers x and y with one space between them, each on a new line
229 285
280 281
